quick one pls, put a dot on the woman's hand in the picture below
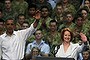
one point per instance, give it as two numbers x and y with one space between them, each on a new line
83 37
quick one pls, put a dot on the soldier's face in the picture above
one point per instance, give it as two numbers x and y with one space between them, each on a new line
84 13
87 3
25 25
59 9
53 26
21 19
8 4
32 11
79 21
69 18
44 12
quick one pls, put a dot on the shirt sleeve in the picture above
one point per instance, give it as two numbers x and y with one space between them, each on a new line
24 34
80 48
28 49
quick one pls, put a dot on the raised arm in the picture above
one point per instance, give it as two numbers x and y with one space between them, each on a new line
37 17
83 37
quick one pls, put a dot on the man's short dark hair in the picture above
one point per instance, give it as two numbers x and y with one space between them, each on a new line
32 6
11 19
21 15
53 21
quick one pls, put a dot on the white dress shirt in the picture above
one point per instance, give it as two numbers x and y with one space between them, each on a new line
71 52
13 46
44 48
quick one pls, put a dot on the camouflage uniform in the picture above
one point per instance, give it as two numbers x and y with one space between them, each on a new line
76 3
20 8
58 18
44 27
70 8
9 14
44 3
71 26
30 19
39 5
77 29
53 40
84 29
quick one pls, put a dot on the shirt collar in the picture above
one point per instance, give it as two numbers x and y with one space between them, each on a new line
42 42
11 35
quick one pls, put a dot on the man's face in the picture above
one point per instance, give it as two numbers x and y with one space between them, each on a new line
69 18
59 9
25 25
8 4
38 35
53 26
87 3
79 21
44 12
9 25
32 11
84 13
86 55
21 19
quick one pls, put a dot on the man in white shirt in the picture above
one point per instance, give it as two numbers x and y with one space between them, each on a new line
13 44
40 43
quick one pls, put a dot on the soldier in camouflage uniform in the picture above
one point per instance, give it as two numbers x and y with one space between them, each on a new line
53 36
45 19
44 3
68 22
58 13
20 20
31 12
86 25
8 10
77 29
76 3
20 6
68 7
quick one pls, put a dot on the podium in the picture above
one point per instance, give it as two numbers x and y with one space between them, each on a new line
53 58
